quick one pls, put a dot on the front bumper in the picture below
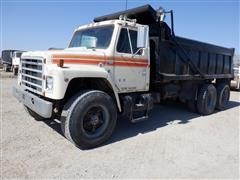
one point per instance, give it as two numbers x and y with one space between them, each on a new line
36 104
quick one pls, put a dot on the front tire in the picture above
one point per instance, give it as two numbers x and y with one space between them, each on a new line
207 98
89 118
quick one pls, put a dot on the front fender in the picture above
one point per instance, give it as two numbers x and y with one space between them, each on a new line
62 77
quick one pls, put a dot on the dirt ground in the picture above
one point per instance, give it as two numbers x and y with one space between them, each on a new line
173 143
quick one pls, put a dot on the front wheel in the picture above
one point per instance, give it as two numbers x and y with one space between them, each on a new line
89 118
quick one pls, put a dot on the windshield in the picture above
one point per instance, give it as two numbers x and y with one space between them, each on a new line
97 37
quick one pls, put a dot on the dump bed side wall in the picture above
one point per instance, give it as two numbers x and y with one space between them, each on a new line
209 59
212 61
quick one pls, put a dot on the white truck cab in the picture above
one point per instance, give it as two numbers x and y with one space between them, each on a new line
235 83
16 61
104 59
106 50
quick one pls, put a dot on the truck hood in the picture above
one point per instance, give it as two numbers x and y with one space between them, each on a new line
69 55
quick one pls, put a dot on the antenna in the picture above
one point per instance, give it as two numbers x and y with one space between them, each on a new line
126 4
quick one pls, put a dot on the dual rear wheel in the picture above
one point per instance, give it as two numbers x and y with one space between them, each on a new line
210 98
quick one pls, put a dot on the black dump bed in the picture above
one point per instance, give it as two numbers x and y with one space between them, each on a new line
177 58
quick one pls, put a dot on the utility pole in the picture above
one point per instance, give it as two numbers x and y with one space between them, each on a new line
126 4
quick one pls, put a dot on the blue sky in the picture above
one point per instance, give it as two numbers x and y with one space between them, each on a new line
38 25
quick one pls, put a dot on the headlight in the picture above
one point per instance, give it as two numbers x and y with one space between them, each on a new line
49 83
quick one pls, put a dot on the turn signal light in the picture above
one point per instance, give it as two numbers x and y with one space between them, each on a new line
60 63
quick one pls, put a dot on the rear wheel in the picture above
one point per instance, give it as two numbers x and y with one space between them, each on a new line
207 98
89 118
223 95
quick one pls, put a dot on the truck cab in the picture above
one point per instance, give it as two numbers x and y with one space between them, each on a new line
113 45
106 50
16 56
235 83
105 59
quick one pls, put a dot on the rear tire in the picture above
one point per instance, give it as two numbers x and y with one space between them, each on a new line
207 98
89 118
223 95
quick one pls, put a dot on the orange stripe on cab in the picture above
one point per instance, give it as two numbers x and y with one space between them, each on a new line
83 59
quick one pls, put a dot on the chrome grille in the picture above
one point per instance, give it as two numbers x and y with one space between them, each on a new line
32 73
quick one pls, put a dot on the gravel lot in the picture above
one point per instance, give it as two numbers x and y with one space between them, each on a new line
173 143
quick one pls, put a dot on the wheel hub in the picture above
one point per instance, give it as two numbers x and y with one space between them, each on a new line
93 120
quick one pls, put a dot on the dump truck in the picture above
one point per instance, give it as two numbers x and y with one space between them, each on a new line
16 61
235 83
119 66
6 57
10 60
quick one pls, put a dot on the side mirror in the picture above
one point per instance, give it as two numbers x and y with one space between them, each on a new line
142 37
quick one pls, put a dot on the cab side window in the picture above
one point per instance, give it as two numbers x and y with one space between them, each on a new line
133 35
124 45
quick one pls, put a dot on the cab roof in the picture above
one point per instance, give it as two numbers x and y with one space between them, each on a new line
107 22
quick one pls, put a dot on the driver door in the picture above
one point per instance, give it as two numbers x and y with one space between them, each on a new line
131 66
